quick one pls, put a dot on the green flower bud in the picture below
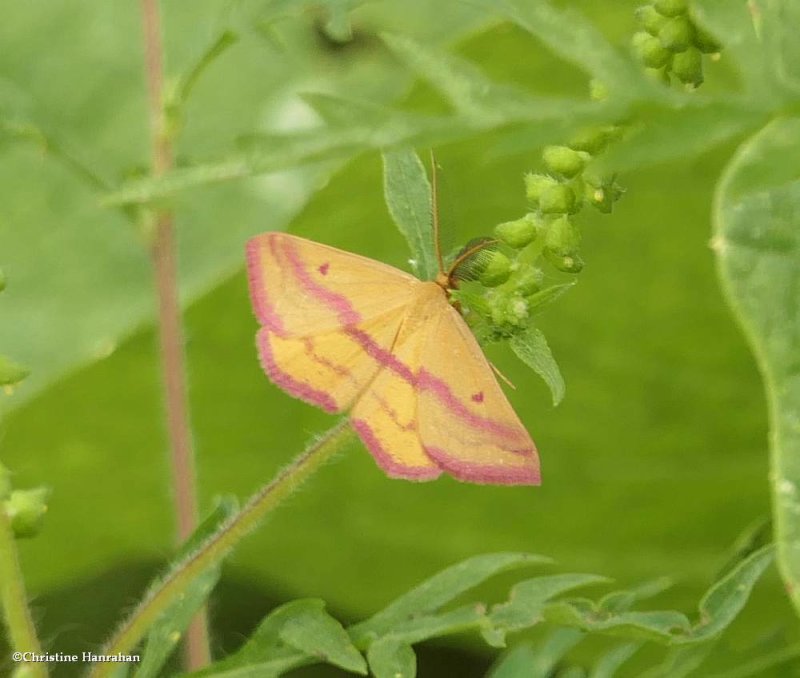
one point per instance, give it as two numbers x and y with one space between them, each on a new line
508 311
688 67
519 233
671 8
558 199
536 184
706 42
496 271
5 482
564 160
592 140
569 264
603 193
677 34
597 90
650 20
26 509
10 372
563 237
528 280
649 51
2 280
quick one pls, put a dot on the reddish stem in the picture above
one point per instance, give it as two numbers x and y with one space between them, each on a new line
163 257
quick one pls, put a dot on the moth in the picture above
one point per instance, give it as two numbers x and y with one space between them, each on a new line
350 334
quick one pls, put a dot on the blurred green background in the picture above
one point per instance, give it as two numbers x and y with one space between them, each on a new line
652 465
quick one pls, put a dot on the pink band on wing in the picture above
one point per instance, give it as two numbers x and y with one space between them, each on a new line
286 381
264 310
391 467
482 473
347 314
429 382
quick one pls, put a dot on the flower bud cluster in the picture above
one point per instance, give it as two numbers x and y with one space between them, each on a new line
671 43
511 273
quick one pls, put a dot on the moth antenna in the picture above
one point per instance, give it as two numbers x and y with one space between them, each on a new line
435 213
472 251
502 376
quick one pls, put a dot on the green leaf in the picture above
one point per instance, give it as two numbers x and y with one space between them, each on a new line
314 632
266 648
780 17
408 197
570 36
417 629
738 27
756 226
516 663
547 296
553 650
659 626
189 79
169 628
344 112
620 601
467 90
667 134
680 662
717 609
527 600
440 590
531 348
725 599
10 372
610 662
390 657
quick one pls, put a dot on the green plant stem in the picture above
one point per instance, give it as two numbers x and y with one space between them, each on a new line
21 630
222 542
197 652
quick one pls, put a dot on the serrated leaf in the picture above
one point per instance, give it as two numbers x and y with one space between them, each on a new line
272 153
725 599
660 626
390 657
620 601
440 590
531 348
314 632
423 628
528 598
169 628
408 197
757 244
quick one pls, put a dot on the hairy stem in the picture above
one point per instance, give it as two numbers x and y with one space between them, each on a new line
163 257
222 542
21 630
